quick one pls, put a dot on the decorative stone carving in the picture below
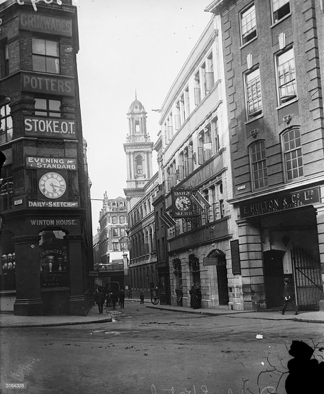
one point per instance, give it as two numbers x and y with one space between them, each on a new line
254 133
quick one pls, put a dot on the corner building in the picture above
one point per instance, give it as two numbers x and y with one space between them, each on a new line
273 60
45 192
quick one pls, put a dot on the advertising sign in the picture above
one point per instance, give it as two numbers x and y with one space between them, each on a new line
53 204
45 24
51 163
62 86
45 127
182 204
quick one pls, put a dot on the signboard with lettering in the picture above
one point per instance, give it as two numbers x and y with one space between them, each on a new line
54 222
182 204
280 203
51 163
45 127
45 24
207 261
53 204
62 86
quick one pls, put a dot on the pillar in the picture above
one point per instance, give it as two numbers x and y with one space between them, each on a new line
28 292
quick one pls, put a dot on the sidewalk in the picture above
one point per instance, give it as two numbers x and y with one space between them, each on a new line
8 319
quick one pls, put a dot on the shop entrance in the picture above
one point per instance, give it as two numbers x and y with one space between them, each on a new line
273 277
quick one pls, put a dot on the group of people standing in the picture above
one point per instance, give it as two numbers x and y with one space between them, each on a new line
103 295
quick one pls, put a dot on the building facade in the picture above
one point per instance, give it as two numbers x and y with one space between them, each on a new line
45 191
273 60
142 187
111 243
195 173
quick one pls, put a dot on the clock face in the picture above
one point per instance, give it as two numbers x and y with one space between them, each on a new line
183 203
52 185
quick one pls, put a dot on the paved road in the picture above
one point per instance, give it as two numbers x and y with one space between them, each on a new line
155 352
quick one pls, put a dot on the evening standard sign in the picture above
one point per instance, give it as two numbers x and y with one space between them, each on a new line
44 127
283 202
51 163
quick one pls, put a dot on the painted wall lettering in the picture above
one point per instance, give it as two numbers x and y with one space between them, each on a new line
54 222
46 24
53 85
51 163
50 127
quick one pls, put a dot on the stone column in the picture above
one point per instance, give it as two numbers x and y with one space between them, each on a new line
78 304
28 292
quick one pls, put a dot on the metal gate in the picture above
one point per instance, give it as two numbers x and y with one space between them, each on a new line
308 281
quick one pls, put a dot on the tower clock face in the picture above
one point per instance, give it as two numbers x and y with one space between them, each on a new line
183 203
52 185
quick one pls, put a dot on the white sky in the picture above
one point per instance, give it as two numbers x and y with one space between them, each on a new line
128 45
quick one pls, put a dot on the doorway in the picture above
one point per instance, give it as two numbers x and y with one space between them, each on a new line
273 277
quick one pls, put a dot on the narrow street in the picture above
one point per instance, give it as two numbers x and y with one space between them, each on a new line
152 351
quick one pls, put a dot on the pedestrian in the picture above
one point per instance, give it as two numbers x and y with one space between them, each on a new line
100 299
142 297
121 299
288 295
107 295
114 299
192 293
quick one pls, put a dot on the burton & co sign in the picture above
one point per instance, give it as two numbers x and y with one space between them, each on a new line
283 202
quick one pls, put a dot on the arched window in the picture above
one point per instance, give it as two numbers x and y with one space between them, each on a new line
292 154
139 165
258 165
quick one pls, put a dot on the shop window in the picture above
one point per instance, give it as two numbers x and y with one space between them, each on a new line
280 9
293 160
258 165
286 76
253 94
53 259
248 24
6 189
46 57
8 265
6 127
47 107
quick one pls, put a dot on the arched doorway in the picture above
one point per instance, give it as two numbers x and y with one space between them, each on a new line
221 270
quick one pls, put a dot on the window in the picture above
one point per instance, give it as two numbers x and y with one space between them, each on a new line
197 89
6 188
47 107
114 219
280 8
210 73
286 76
248 24
293 160
258 165
253 93
122 219
187 101
46 56
139 165
6 128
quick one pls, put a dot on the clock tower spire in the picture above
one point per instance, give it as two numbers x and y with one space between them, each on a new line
138 149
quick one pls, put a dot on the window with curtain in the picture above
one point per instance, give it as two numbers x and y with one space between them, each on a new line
258 165
248 24
286 76
253 94
280 9
293 159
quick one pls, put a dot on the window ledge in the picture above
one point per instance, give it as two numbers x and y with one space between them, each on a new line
282 19
253 119
287 103
249 42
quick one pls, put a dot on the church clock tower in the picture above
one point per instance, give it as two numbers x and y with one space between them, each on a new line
138 149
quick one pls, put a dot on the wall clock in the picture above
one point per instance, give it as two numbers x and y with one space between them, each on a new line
52 185
183 203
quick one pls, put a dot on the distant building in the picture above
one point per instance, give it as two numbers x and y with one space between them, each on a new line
46 239
274 70
111 242
142 187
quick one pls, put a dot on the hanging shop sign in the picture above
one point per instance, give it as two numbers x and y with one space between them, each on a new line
182 204
50 84
45 24
44 127
34 2
51 163
280 203
53 204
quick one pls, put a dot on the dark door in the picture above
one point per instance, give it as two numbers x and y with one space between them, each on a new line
273 277
222 280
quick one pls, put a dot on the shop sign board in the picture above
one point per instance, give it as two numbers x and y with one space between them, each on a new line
54 222
182 204
48 84
51 163
207 261
53 204
46 127
280 203
45 24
